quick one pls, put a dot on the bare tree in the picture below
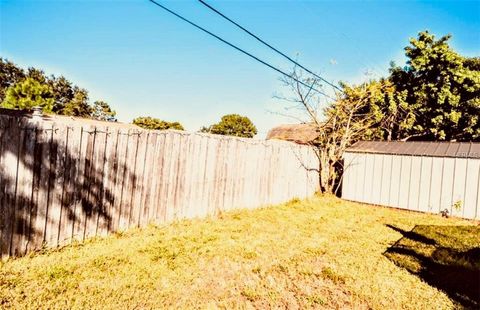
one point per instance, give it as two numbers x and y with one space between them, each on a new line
340 122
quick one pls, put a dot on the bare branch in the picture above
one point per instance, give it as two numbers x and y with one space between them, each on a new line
287 115
343 122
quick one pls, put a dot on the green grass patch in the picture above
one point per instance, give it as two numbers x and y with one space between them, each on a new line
446 257
316 253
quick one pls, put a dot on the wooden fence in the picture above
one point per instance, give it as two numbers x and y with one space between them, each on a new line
64 181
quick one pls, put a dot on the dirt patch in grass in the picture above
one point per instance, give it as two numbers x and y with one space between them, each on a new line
317 253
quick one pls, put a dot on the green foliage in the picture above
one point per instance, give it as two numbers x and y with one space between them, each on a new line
446 257
156 124
78 106
472 63
60 95
436 96
102 111
385 108
63 92
442 91
233 125
457 205
28 94
10 74
37 74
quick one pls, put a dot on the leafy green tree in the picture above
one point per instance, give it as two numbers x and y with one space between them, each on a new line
79 105
63 96
472 63
28 94
338 125
156 124
10 74
390 115
442 90
101 111
233 125
63 92
436 96
37 74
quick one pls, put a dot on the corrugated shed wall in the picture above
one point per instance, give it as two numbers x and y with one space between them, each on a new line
419 183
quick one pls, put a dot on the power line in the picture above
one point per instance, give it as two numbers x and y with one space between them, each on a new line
266 44
239 49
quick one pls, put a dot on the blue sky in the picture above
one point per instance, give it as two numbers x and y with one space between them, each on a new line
144 61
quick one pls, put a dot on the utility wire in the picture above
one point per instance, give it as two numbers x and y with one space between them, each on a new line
268 45
239 49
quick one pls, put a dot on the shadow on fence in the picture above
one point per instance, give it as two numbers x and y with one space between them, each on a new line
48 195
446 257
70 180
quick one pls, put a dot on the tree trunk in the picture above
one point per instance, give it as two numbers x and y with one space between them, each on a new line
326 173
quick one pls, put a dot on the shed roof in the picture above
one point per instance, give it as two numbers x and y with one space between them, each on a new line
436 149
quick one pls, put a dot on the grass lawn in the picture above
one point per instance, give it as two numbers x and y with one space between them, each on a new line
318 253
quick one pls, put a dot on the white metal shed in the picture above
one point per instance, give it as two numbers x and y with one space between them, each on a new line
419 176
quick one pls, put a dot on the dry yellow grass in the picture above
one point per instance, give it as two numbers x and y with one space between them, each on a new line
318 253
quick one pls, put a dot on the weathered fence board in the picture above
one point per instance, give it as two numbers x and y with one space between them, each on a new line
61 182
10 166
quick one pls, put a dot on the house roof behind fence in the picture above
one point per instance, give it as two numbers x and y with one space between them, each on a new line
436 149
298 133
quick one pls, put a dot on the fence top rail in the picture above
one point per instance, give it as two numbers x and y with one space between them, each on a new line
93 126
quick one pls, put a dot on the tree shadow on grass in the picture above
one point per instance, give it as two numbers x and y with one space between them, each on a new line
446 257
